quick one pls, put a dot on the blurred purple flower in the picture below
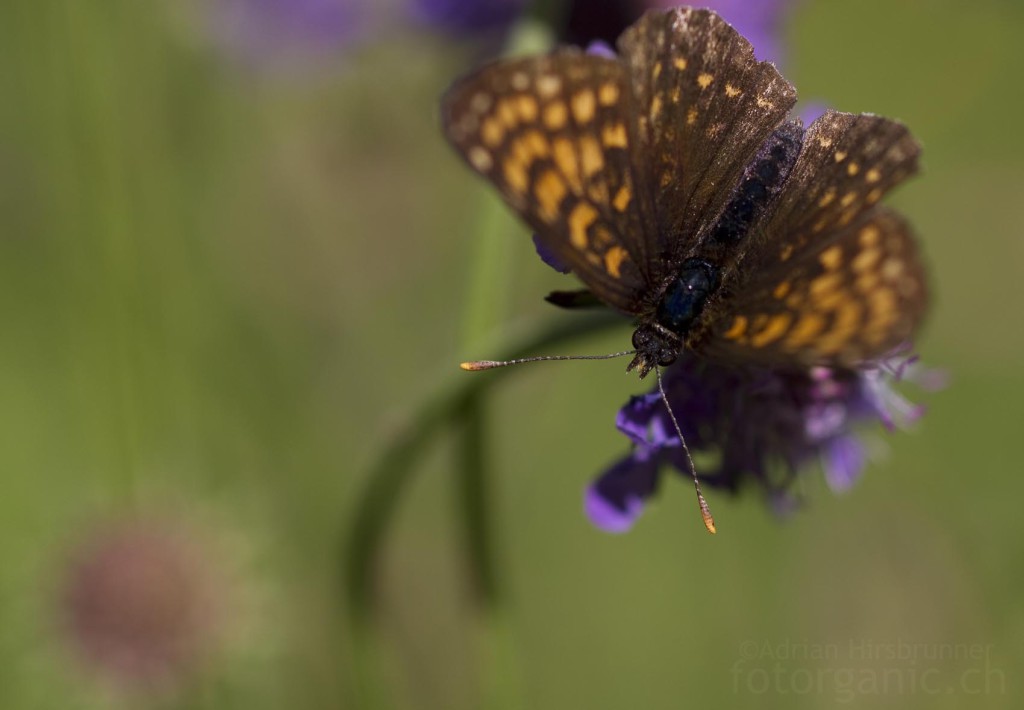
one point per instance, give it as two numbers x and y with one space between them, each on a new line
143 606
760 425
810 111
600 48
281 30
617 498
468 17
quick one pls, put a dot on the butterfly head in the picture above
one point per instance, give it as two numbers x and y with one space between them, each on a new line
655 345
658 341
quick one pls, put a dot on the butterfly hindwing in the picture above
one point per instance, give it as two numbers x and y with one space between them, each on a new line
850 297
553 134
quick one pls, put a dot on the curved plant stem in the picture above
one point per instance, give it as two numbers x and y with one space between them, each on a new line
462 404
496 648
475 501
458 399
389 474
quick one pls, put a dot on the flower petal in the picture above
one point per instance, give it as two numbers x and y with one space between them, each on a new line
615 500
642 420
601 48
549 257
811 111
843 462
466 18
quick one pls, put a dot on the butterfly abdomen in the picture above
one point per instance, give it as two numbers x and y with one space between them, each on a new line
698 279
761 181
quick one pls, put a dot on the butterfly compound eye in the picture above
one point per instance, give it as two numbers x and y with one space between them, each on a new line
654 347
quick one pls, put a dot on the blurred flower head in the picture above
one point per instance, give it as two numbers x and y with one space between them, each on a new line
271 31
144 603
462 17
761 426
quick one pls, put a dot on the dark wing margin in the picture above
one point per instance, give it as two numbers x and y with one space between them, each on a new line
705 106
553 134
851 297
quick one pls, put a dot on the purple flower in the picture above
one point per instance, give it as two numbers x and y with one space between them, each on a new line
144 603
617 498
272 31
549 257
468 17
811 111
759 426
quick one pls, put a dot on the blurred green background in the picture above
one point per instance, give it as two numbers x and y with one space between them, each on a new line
226 286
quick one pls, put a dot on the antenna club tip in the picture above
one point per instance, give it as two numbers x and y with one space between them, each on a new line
475 365
705 514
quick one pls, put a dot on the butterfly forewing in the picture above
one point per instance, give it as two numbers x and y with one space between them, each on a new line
850 297
705 106
554 134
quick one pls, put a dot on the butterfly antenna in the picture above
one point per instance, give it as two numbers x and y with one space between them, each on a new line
475 365
705 511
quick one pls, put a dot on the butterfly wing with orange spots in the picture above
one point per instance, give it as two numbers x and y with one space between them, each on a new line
847 164
619 163
667 168
553 134
706 105
830 276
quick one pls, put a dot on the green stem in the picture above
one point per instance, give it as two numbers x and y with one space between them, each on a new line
461 403
475 501
499 670
485 295
389 475
489 273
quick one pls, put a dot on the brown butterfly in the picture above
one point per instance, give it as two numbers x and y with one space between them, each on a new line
671 183
668 181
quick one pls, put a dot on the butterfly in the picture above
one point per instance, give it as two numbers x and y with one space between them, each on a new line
669 180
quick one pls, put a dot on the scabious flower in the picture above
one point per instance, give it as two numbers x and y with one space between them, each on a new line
143 603
459 17
758 426
283 31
